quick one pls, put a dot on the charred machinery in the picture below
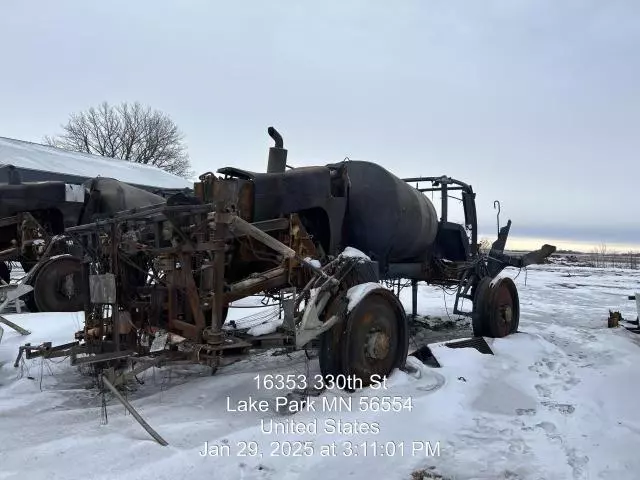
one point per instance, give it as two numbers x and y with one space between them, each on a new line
158 279
30 213
33 218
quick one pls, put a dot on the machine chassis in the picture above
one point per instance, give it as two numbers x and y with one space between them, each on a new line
157 282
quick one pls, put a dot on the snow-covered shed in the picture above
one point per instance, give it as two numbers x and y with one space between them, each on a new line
35 163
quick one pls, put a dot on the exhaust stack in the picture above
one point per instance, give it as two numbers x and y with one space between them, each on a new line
277 162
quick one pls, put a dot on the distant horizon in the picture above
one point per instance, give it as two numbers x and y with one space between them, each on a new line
583 246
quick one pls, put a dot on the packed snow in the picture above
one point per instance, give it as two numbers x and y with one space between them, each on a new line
354 253
356 293
33 156
558 400
265 328
313 262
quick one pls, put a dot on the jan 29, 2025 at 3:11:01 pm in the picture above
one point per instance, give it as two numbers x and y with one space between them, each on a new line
332 449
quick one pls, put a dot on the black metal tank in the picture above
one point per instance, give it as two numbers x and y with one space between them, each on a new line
386 218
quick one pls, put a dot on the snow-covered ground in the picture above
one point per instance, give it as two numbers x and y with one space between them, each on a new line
559 400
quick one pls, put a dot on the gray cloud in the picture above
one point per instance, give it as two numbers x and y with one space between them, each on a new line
534 103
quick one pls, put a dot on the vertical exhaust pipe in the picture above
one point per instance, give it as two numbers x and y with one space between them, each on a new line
277 162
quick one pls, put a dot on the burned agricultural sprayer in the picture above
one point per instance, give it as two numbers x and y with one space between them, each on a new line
158 280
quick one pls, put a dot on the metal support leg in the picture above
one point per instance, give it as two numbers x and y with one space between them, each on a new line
133 412
16 327
223 194
414 298
8 294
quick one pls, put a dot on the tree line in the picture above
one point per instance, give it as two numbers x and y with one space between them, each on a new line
600 257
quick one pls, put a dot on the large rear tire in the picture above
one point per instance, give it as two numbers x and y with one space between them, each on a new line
504 304
57 286
496 311
478 316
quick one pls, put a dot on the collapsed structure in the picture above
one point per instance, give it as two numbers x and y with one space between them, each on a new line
157 280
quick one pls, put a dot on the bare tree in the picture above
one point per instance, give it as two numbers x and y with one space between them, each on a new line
128 131
596 259
599 256
602 252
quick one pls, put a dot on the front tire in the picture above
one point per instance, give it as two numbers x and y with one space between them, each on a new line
371 342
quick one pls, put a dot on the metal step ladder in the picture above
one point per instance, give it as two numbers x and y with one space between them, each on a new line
464 291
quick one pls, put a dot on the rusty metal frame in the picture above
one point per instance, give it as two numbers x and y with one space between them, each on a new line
190 243
444 185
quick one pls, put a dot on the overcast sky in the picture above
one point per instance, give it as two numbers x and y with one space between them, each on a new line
535 103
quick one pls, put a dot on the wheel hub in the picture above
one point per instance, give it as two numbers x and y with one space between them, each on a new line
506 314
377 345
68 286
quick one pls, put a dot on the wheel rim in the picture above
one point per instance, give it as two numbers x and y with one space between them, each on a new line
373 339
503 308
58 286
